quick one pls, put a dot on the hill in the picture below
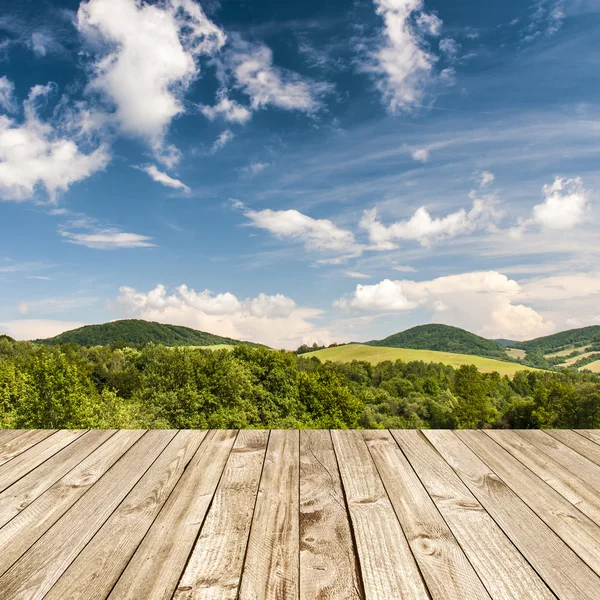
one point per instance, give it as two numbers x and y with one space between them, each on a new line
377 354
507 343
136 332
443 338
572 338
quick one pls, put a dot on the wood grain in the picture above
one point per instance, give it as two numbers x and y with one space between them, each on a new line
9 434
328 565
583 446
22 493
590 434
25 462
96 569
272 559
562 570
214 569
13 445
445 568
387 565
510 577
32 576
159 561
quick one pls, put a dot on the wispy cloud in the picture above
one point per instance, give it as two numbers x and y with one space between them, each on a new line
164 179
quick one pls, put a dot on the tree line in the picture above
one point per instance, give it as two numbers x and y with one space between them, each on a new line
68 386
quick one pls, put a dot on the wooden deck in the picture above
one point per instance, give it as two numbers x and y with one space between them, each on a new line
379 515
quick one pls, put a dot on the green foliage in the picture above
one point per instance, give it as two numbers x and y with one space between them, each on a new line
562 340
246 387
443 338
135 332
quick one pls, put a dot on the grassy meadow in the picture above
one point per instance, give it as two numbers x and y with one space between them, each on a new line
378 354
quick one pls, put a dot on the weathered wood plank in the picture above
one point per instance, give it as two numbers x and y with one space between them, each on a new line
565 456
96 569
387 565
20 465
159 561
560 515
501 568
9 434
32 576
328 565
575 489
445 568
590 434
13 445
577 443
564 572
22 493
19 534
272 558
214 569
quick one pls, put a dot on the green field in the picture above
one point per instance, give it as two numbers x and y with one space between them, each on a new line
377 354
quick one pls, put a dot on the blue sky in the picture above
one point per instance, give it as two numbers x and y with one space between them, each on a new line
299 172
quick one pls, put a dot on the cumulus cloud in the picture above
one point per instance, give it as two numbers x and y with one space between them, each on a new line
226 109
249 67
87 232
402 64
223 139
422 227
8 102
36 154
147 57
565 206
486 178
164 179
421 155
486 302
317 235
449 48
274 320
32 329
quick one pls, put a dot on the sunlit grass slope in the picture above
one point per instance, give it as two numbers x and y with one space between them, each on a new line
377 354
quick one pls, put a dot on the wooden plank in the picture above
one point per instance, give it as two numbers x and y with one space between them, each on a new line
559 514
590 434
96 569
20 465
32 576
214 569
564 572
445 568
564 455
328 565
387 565
578 443
272 558
157 565
17 444
511 576
9 434
22 493
19 534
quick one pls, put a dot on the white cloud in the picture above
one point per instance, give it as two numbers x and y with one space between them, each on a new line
429 23
357 275
223 139
254 168
317 234
402 63
164 179
421 155
565 206
486 178
35 154
274 320
32 329
485 302
422 227
449 48
85 231
7 95
252 69
226 109
23 308
41 43
147 59
404 269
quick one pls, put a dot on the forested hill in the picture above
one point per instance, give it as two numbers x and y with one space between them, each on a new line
135 332
443 338
562 340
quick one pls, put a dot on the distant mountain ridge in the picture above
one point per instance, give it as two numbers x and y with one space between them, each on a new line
443 338
137 332
561 340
